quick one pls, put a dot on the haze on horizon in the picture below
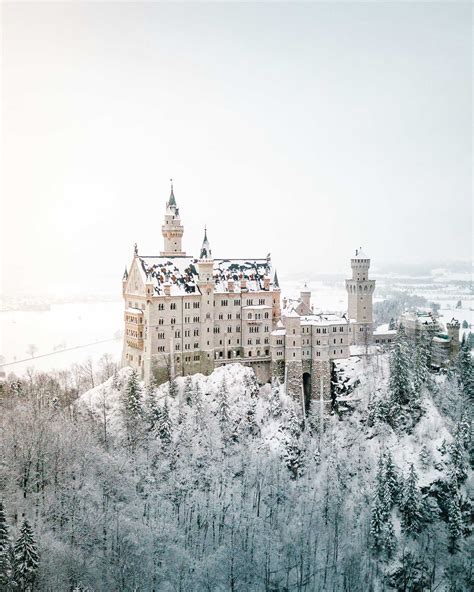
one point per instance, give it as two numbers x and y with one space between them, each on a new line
305 130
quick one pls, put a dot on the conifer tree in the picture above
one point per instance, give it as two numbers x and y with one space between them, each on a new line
400 381
223 405
275 403
422 360
425 456
291 424
164 425
5 552
172 388
293 456
458 465
465 368
132 395
411 504
152 409
26 558
455 524
188 391
251 385
391 477
389 538
252 425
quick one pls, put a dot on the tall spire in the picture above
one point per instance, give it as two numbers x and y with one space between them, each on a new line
275 280
205 249
172 200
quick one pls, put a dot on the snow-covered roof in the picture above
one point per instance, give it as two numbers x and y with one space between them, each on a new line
360 254
323 319
279 332
132 309
384 330
182 274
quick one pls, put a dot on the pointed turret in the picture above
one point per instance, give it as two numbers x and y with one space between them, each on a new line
275 280
125 274
172 230
206 248
172 200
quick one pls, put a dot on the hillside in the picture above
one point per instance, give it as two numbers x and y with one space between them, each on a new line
211 483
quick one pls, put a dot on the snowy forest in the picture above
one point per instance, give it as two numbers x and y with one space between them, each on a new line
216 484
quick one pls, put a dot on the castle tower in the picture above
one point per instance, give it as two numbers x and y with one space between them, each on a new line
205 283
453 328
359 296
305 296
172 230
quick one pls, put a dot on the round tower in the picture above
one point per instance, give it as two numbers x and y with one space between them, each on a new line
360 292
305 296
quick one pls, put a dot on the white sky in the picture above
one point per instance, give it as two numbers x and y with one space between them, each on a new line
300 129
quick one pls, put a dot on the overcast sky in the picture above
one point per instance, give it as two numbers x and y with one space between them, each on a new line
300 129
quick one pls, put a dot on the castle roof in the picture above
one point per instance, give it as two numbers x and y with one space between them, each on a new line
360 254
182 274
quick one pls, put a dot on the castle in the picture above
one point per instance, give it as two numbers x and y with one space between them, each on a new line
185 315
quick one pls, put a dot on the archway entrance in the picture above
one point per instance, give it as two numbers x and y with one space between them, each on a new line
307 390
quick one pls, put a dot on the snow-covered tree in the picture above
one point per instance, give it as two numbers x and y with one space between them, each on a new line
251 385
132 397
223 405
411 504
400 380
425 456
465 367
293 456
275 403
188 391
5 552
455 524
26 558
164 424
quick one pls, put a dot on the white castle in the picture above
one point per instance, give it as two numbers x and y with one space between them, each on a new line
185 315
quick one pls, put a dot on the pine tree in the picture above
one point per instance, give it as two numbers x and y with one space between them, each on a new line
411 504
293 456
291 424
275 403
425 457
389 538
251 385
377 519
152 409
391 478
465 368
400 382
188 391
164 425
132 396
5 552
172 388
26 558
422 360
458 454
252 425
455 524
223 405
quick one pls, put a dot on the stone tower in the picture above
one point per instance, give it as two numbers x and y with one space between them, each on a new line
206 287
453 328
360 292
172 230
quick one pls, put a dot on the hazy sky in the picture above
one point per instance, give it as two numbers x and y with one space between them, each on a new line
300 129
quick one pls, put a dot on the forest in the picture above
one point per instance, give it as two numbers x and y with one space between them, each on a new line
216 484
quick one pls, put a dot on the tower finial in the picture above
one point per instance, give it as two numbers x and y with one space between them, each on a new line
206 248
172 200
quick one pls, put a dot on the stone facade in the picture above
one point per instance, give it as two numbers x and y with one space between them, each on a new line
185 315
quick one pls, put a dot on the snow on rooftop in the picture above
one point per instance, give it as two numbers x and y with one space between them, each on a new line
182 274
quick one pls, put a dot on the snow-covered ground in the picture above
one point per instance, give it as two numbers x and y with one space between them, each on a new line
95 325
